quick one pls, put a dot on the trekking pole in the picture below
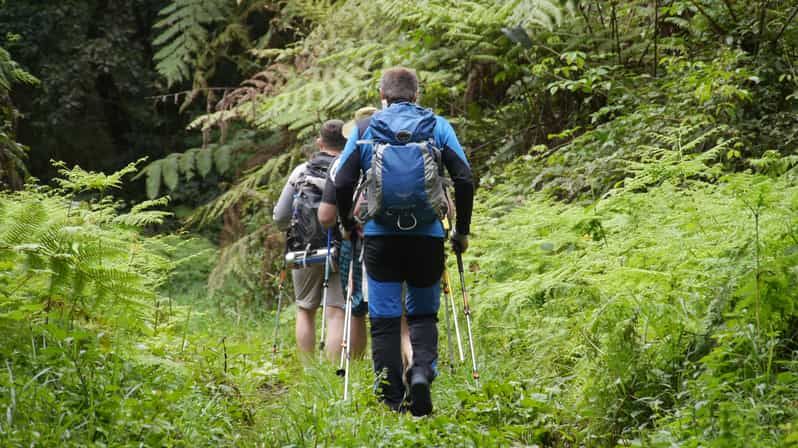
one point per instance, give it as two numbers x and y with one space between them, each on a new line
454 316
345 337
347 310
448 296
467 312
326 284
346 342
276 344
447 311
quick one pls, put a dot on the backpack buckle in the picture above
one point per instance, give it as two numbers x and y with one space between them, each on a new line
410 227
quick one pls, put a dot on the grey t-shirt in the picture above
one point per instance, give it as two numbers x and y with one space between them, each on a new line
284 207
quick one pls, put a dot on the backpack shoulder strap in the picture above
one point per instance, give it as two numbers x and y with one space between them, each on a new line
362 125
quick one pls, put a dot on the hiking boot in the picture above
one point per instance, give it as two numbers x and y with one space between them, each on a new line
420 397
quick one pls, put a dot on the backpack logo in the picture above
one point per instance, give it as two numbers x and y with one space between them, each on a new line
404 136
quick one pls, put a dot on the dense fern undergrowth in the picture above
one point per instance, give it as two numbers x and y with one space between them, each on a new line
633 268
657 318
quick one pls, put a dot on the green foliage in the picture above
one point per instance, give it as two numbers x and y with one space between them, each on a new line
167 171
78 180
93 105
11 73
640 300
75 257
12 153
632 270
93 352
184 35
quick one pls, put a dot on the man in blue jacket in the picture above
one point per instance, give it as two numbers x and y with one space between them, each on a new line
410 250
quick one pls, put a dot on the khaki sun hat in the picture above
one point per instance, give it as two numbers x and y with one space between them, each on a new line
360 114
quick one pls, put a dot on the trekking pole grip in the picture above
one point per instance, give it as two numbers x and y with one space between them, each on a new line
461 271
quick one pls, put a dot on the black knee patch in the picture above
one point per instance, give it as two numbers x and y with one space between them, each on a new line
387 356
424 339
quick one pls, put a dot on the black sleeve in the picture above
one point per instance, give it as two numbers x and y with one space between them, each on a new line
345 183
328 195
463 181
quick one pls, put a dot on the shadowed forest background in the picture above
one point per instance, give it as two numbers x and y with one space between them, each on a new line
634 262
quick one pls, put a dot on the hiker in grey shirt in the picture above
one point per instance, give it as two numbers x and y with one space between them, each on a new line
309 281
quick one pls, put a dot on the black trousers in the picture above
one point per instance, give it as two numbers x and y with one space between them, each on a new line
417 261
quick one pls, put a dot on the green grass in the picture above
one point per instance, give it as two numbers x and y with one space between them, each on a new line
663 317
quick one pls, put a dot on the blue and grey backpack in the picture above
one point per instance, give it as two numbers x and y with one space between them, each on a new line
405 184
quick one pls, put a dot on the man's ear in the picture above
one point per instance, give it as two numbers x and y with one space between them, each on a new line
319 143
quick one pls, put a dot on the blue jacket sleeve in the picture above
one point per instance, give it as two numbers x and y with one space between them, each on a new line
346 179
456 163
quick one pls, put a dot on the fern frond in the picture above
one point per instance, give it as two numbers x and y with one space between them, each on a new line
547 14
222 158
170 170
235 259
25 224
78 180
188 163
204 161
183 35
12 73
153 173
141 216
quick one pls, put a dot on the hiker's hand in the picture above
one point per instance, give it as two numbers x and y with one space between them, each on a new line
459 242
357 231
347 226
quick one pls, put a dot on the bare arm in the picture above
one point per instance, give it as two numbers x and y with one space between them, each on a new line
328 208
327 214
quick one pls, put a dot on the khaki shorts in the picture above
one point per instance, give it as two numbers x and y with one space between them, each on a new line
309 288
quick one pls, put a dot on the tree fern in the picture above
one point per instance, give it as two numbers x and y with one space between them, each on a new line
312 10
542 13
153 173
204 160
188 165
237 260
